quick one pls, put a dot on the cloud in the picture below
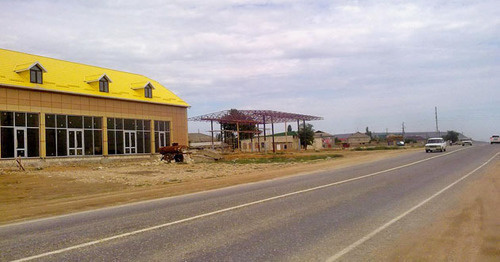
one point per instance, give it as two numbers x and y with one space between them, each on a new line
356 63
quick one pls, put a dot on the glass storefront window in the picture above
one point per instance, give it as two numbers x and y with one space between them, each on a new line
129 136
19 134
73 135
162 134
50 121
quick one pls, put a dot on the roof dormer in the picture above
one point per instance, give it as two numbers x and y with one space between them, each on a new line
36 71
103 80
147 86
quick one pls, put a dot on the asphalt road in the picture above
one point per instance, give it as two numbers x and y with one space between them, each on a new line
342 215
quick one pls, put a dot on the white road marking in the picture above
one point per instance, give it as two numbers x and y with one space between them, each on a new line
396 219
223 210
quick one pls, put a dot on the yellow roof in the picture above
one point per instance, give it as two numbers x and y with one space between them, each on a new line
76 78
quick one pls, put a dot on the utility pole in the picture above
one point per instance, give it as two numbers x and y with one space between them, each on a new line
403 129
436 113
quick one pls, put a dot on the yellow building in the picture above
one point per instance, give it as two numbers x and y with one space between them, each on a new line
56 108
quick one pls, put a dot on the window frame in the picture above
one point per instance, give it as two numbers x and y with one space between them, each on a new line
58 133
36 75
116 135
104 85
162 127
13 122
148 91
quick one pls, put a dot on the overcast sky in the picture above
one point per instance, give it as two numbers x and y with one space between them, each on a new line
355 63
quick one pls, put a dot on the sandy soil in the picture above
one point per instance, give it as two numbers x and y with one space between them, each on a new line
71 187
468 232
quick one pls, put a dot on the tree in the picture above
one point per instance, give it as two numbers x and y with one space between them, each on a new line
229 124
368 133
289 129
410 140
306 135
452 136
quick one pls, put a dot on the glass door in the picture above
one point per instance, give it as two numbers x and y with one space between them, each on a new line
163 141
130 142
21 142
75 142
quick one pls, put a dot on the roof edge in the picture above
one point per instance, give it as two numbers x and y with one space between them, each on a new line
28 66
97 78
88 95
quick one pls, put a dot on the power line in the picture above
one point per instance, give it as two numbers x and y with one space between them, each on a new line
436 113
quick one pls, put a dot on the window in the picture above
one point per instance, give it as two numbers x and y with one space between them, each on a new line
73 135
50 142
103 81
75 122
36 75
128 136
19 134
7 142
7 119
148 91
104 85
162 134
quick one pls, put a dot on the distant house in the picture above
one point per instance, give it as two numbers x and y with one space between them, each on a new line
198 140
392 139
322 140
358 139
281 143
342 137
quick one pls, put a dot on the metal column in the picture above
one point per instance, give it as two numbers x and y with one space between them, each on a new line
272 130
212 132
298 129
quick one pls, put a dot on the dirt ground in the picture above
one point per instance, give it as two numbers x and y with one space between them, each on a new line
69 187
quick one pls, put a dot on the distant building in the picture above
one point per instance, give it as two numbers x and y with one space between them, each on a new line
322 140
198 140
282 142
358 139
392 139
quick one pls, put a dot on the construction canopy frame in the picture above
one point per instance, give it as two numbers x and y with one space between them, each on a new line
252 117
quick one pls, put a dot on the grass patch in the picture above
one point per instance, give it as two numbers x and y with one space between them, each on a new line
377 148
281 159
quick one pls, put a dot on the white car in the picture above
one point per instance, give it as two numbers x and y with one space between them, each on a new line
435 144
495 139
467 142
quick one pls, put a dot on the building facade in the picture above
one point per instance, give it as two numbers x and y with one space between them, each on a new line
56 108
282 143
322 140
358 139
198 140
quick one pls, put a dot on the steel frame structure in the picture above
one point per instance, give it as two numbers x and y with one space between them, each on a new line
252 117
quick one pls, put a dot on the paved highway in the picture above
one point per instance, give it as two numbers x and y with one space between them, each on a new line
341 215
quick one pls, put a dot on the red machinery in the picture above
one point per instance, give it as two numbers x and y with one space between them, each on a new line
175 153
